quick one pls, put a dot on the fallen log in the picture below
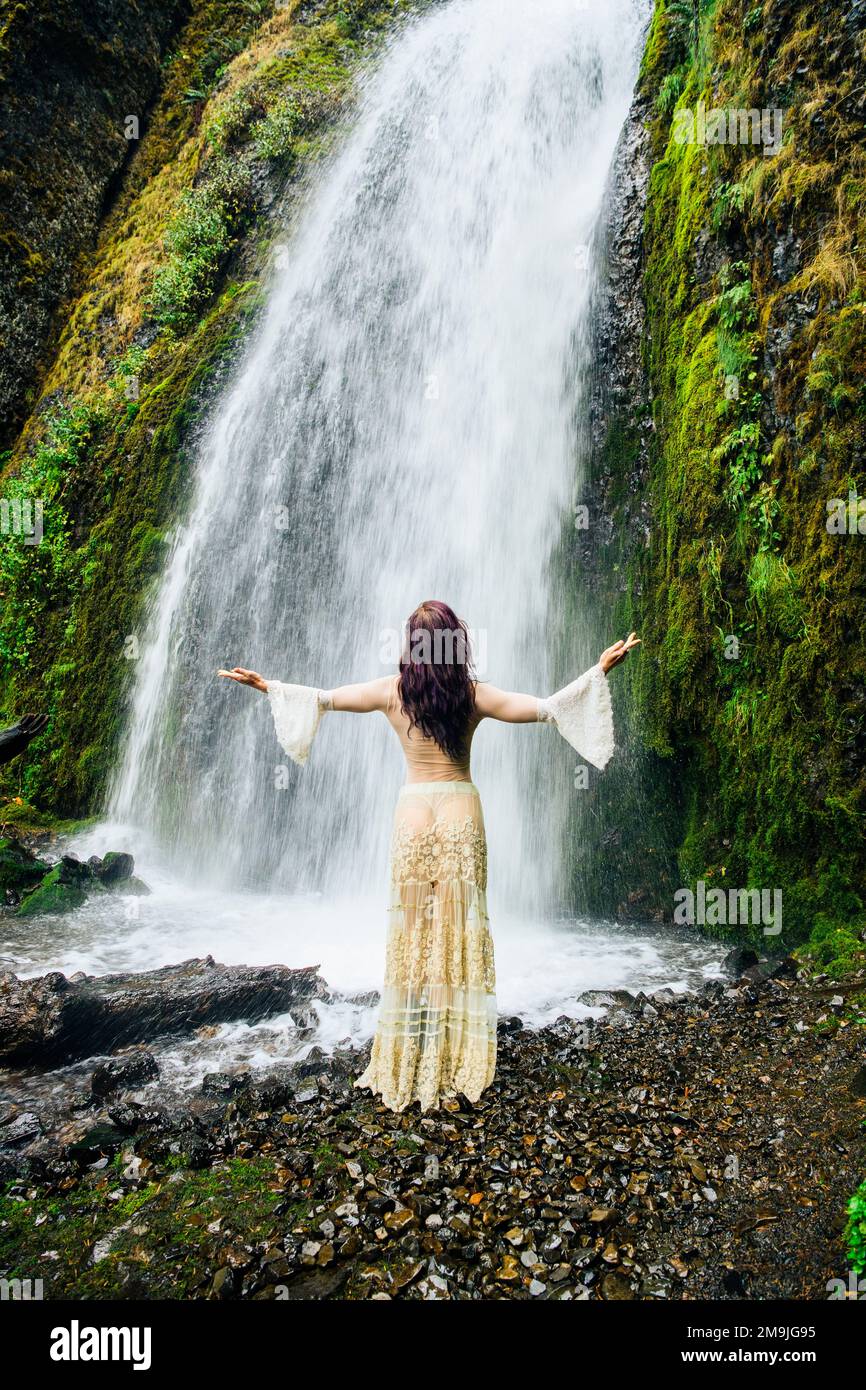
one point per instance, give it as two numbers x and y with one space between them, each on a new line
54 1019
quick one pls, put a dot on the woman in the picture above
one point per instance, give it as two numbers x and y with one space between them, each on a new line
436 1032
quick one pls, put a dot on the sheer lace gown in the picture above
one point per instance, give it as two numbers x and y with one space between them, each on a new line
436 1030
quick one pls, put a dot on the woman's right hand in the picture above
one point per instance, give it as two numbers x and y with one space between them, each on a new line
618 652
243 677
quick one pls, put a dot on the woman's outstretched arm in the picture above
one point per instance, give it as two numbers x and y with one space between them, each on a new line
363 698
512 708
505 705
298 709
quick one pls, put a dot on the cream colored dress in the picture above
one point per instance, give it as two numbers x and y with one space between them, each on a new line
436 1030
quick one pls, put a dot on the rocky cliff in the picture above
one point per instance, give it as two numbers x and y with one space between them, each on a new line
76 84
725 470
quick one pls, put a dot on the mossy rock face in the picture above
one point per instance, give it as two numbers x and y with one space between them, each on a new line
72 77
58 892
753 668
20 870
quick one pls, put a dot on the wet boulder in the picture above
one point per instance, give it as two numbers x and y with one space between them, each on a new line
224 1084
103 1141
71 882
54 1019
123 1074
20 871
114 868
63 888
739 960
606 999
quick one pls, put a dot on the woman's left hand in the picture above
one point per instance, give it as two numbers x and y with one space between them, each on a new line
618 652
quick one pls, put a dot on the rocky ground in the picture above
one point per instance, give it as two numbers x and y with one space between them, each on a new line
679 1148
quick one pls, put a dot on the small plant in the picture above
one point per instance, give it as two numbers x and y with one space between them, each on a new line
231 122
754 19
774 589
685 19
730 200
671 90
736 305
741 451
855 1233
275 135
205 228
764 509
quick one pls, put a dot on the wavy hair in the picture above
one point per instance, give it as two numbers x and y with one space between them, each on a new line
437 679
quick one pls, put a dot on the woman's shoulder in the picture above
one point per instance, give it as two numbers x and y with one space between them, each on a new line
481 691
391 687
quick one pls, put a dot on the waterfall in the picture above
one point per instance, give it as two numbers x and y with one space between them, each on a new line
401 427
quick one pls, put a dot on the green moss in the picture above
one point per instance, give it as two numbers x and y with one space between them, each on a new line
855 1232
210 219
53 895
158 1232
836 946
19 870
746 604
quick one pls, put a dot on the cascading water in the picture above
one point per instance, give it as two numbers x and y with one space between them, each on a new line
401 427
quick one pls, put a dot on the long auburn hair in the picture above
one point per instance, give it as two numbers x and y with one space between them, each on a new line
437 679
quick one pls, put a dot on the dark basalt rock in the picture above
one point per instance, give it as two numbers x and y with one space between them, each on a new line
70 882
367 999
100 1142
123 1073
606 998
53 1019
509 1025
20 1128
744 964
739 960
20 870
222 1083
114 868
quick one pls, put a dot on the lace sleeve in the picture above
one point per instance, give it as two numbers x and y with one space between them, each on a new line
582 713
297 710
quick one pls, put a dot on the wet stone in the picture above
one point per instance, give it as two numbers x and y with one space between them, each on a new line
565 1181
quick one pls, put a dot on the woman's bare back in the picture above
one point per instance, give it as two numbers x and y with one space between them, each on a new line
425 760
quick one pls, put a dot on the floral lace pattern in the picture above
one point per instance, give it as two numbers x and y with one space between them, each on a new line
456 851
297 710
583 715
436 1032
